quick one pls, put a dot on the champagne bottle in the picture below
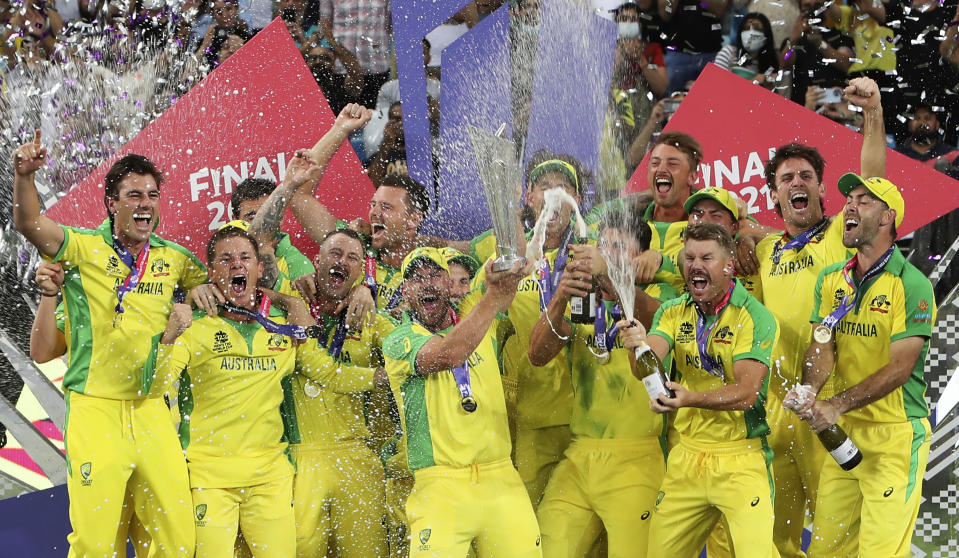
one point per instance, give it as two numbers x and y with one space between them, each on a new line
651 370
840 447
582 309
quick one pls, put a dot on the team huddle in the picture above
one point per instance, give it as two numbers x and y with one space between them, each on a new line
401 395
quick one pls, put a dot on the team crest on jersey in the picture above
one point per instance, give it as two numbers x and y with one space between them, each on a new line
221 342
200 513
879 304
923 315
86 470
278 342
724 336
160 268
425 535
659 498
686 333
837 298
113 264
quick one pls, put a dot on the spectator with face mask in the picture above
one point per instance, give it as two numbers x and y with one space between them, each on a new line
924 142
639 79
753 56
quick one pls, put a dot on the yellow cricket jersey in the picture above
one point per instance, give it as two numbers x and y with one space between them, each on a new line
106 360
437 429
608 401
668 239
322 415
231 392
290 262
897 304
483 246
753 285
745 330
389 279
545 394
786 289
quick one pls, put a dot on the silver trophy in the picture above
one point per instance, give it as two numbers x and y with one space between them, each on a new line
500 174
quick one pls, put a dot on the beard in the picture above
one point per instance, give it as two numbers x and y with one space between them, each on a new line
925 136
325 78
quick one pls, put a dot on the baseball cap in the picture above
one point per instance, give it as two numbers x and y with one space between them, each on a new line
720 195
238 223
424 252
453 255
879 187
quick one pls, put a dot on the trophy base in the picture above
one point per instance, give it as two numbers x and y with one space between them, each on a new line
505 262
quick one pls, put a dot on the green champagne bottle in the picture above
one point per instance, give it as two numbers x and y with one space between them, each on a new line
651 370
840 447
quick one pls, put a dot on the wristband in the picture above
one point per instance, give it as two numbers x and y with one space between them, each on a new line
952 24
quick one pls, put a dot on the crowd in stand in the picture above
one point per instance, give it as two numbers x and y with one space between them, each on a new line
804 50
484 392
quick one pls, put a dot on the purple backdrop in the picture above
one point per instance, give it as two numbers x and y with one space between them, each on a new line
476 91
570 90
571 86
412 20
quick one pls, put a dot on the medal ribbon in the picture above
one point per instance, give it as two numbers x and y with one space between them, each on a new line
799 240
549 279
605 338
137 270
461 374
294 331
849 301
335 346
369 275
703 332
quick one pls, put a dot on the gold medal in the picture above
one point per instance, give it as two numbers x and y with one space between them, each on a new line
603 358
822 334
117 318
311 390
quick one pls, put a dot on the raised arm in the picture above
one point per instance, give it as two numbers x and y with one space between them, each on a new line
316 220
353 80
301 173
47 342
40 230
450 351
864 93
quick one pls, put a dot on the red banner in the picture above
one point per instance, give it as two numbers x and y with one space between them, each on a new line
243 120
740 124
